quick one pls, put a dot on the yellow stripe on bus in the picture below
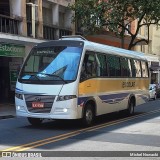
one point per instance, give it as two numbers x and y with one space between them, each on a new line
97 85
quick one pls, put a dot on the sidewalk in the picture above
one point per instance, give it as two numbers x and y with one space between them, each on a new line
7 110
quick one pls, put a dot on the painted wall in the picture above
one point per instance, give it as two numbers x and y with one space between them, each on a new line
156 40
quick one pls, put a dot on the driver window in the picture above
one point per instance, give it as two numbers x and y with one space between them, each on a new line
89 67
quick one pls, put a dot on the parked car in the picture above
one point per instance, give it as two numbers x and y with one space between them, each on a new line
158 91
153 91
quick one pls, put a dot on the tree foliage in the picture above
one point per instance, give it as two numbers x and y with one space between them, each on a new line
116 15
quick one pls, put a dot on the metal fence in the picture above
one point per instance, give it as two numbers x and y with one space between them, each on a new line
64 32
9 25
49 32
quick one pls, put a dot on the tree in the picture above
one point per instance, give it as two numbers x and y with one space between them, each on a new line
116 16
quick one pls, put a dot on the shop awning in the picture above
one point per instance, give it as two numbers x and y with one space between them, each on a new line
20 40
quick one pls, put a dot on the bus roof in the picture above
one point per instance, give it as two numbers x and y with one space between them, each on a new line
75 39
115 50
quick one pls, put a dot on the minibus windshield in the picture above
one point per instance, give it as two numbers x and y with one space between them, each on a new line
50 64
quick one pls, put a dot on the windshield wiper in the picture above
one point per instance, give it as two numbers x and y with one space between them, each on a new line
53 75
34 75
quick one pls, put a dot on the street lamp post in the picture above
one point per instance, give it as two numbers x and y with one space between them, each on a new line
33 18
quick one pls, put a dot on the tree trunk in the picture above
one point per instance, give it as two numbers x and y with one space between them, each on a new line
131 42
122 36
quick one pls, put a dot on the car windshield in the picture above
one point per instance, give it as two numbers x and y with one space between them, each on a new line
57 63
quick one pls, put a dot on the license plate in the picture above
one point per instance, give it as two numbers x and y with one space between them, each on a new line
37 105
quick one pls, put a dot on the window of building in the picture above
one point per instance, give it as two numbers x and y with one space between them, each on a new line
29 9
61 19
114 66
128 27
47 16
5 7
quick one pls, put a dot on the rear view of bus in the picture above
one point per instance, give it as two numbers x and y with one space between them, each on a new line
47 83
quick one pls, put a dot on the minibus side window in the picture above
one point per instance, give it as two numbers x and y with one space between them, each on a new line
144 69
101 65
136 68
114 66
89 67
125 67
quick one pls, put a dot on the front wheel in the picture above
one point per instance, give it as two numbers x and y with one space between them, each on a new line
35 121
88 115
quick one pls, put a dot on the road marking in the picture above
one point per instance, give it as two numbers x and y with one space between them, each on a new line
54 140
42 142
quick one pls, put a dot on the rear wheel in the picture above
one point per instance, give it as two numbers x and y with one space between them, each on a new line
155 96
131 105
88 115
35 121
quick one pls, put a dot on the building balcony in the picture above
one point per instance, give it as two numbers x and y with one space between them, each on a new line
51 32
64 32
10 31
12 26
9 25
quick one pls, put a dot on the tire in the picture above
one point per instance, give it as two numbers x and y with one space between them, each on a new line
35 121
131 105
88 115
155 97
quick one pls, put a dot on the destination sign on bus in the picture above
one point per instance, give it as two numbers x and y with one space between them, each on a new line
128 84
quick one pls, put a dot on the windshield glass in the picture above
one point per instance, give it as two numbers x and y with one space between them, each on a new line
57 63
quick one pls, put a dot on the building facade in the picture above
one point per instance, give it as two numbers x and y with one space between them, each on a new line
24 23
152 51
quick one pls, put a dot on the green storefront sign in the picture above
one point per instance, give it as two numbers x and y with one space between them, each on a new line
10 50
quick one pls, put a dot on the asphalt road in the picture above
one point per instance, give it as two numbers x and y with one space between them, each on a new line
112 132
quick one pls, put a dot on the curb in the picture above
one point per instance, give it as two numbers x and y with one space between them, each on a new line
6 117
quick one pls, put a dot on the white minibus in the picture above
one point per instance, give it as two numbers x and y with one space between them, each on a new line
73 78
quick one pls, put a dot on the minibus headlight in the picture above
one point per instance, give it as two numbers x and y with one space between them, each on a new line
19 96
66 97
20 108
